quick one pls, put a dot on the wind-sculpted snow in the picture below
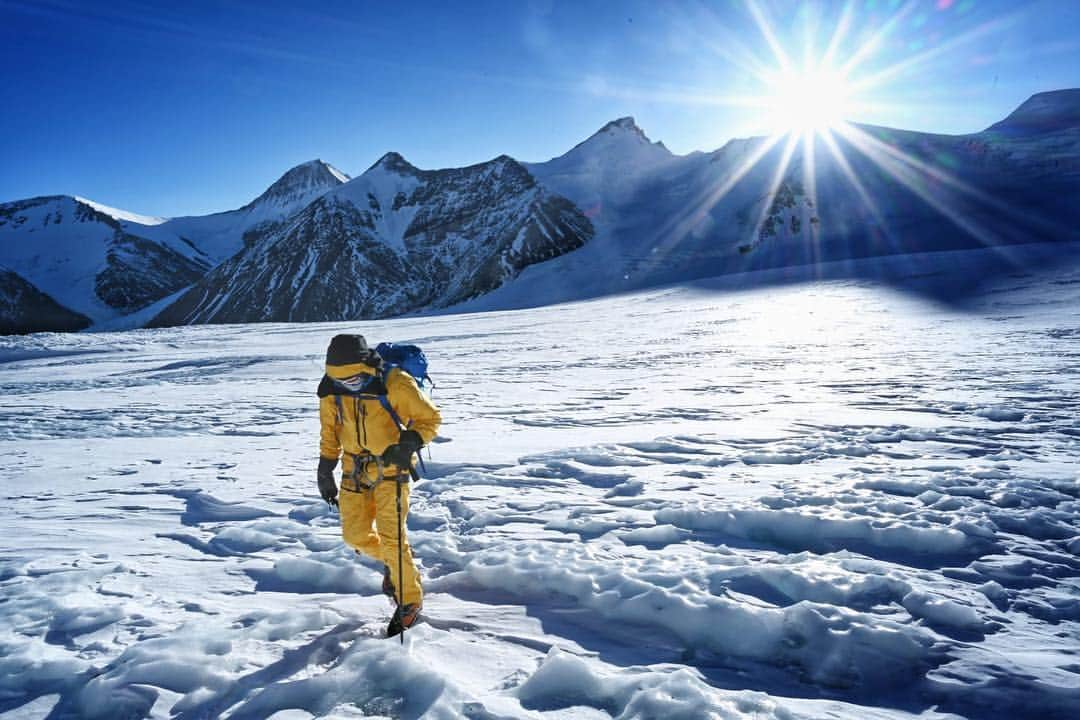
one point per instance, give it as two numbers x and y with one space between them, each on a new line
826 501
565 681
202 507
828 644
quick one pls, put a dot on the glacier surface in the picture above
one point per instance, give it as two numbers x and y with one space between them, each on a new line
824 500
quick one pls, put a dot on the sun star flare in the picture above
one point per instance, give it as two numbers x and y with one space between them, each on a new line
811 99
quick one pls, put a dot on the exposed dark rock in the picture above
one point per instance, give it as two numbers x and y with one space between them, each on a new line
25 309
141 272
469 230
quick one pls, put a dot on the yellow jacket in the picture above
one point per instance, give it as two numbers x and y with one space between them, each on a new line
362 428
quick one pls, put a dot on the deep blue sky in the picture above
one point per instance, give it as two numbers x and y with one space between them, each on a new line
171 108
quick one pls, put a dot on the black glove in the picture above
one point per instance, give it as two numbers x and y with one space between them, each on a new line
401 453
327 486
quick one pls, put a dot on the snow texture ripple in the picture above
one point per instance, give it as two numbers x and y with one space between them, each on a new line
828 500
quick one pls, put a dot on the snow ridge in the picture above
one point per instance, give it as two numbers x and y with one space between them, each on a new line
1045 112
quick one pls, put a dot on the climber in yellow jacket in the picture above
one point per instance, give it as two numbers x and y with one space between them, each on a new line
377 459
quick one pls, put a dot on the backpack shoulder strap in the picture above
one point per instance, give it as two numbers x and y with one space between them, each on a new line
384 400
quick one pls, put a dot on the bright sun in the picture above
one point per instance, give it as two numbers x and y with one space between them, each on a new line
807 100
811 103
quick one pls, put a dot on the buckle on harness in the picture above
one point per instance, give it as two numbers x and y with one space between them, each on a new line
360 463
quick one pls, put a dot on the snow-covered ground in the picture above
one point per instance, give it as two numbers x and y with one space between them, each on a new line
823 500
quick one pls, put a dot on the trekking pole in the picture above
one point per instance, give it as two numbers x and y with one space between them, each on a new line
400 561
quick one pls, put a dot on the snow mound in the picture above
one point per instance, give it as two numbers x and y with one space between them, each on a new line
564 681
1000 414
202 507
804 531
332 572
656 536
833 646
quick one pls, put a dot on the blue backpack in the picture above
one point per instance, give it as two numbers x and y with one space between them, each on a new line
409 358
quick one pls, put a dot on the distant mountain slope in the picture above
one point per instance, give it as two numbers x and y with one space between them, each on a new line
662 218
222 235
393 240
24 308
604 173
87 261
103 263
1047 112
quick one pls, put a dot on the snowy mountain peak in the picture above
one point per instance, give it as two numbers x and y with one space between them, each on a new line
624 124
396 239
56 210
605 170
334 171
505 161
394 163
88 260
301 183
1043 113
621 138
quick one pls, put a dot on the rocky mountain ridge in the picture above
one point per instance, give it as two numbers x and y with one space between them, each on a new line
616 212
394 240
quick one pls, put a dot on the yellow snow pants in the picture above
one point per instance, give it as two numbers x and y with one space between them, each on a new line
369 524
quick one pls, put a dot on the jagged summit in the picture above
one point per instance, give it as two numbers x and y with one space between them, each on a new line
499 163
302 182
394 162
1043 113
624 124
619 137
605 165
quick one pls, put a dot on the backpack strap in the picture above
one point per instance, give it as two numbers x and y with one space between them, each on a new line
340 410
384 400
